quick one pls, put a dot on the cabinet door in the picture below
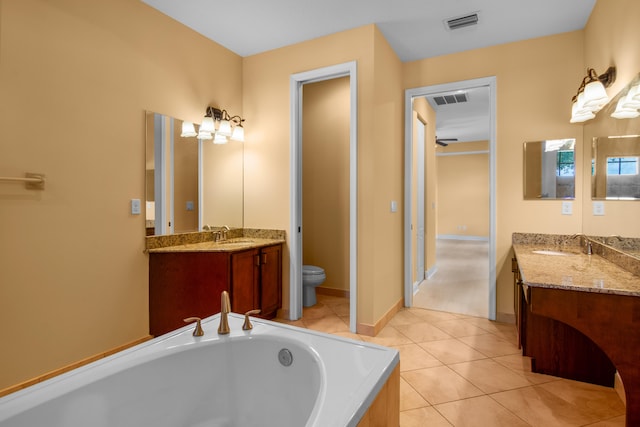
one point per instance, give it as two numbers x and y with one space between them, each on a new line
245 272
183 285
271 280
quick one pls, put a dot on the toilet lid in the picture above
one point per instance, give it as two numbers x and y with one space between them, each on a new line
311 270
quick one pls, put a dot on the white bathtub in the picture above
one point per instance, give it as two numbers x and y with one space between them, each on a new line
233 380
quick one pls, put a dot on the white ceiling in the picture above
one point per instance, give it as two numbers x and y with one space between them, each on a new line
467 121
414 28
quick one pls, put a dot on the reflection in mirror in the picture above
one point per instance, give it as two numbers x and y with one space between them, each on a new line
172 202
178 201
549 169
615 168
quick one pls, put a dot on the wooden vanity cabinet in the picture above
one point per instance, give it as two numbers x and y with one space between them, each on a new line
187 284
257 280
555 347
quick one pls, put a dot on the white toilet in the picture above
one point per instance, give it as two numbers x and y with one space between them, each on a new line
312 276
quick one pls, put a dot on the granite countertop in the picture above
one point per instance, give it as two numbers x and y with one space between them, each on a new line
567 267
229 245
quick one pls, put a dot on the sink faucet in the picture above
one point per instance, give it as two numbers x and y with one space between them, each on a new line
225 308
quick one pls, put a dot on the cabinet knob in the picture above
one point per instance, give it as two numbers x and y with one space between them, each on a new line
197 332
247 323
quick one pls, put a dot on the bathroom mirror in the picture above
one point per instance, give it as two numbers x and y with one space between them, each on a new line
549 169
190 183
172 201
615 168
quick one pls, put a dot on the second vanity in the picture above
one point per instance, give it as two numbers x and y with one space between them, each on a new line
186 277
578 314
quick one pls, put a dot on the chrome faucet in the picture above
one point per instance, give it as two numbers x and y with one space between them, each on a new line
223 232
225 308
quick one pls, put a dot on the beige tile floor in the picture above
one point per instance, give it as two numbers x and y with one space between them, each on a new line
459 370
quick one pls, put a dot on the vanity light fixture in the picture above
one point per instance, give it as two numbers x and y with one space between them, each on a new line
218 125
628 105
188 130
592 95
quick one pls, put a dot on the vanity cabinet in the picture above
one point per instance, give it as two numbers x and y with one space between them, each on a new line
185 284
257 280
189 283
555 347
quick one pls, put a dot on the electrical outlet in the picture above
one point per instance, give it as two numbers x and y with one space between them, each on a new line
567 208
598 208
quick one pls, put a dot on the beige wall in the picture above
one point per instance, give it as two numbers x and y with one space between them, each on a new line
76 79
612 37
325 183
543 71
267 180
463 190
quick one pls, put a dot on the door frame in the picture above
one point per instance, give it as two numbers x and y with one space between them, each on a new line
295 276
410 94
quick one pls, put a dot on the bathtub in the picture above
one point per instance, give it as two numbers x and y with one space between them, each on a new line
274 374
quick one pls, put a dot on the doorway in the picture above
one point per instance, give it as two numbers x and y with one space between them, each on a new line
297 82
410 185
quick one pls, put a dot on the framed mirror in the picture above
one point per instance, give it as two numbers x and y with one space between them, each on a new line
549 169
615 168
190 183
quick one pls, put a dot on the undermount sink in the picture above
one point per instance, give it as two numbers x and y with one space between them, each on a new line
550 252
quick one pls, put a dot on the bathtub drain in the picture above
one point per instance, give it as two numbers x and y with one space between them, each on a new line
285 357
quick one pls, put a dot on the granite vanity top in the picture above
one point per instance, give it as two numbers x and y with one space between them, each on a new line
229 245
557 261
237 240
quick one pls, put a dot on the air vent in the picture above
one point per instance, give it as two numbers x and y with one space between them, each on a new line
463 21
455 98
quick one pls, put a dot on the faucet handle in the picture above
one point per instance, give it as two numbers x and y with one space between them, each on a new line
197 332
247 323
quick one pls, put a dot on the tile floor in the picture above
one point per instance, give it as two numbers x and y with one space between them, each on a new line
459 370
461 281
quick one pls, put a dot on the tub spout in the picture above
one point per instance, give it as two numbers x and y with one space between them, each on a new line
225 308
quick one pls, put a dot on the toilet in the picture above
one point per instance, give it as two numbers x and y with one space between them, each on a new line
312 276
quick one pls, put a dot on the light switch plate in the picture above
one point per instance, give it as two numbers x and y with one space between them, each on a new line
135 206
598 208
190 205
394 206
567 208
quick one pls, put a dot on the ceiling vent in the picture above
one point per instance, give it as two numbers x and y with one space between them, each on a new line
455 98
462 21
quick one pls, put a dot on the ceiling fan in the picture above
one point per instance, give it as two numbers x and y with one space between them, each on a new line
444 141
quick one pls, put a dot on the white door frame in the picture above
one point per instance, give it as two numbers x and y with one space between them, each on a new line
410 94
295 276
420 200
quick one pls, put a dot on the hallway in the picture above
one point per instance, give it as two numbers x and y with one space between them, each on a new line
461 281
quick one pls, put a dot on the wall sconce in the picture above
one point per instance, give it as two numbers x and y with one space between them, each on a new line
629 104
188 130
591 96
217 125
